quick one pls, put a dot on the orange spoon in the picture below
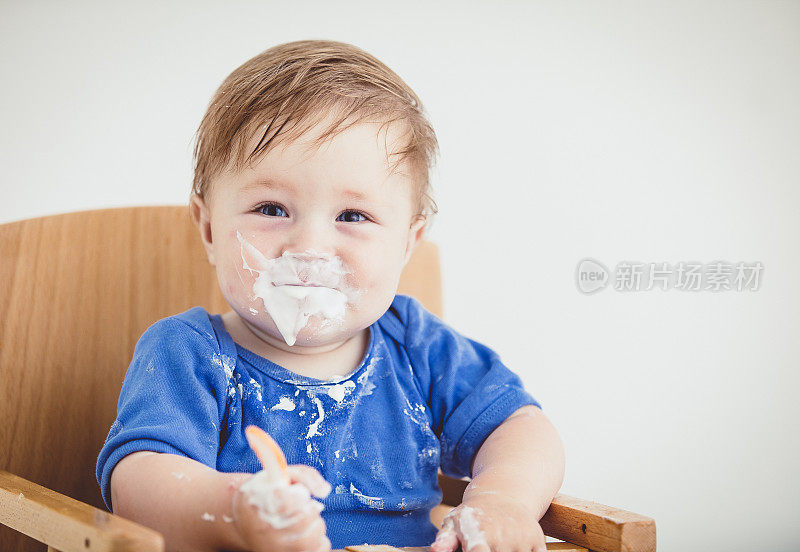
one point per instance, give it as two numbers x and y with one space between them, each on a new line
269 453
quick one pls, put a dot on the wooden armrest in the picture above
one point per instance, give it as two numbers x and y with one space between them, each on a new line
589 524
67 524
598 527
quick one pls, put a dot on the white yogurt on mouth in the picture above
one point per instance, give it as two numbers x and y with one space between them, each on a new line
295 287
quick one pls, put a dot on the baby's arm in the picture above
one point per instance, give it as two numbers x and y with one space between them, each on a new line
523 458
515 476
177 496
200 509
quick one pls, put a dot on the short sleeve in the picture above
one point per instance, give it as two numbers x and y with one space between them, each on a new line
471 392
172 400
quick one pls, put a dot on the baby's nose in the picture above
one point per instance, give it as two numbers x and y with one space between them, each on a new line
311 266
309 256
311 240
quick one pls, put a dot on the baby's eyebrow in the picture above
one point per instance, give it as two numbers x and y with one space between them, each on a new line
268 183
354 195
261 184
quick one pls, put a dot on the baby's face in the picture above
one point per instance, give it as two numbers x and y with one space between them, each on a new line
309 243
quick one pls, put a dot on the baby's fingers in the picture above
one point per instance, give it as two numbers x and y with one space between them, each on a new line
306 534
307 527
311 478
446 539
296 498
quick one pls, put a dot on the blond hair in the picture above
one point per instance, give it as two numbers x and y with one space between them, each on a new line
287 88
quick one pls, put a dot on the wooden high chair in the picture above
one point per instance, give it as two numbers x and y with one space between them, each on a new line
78 290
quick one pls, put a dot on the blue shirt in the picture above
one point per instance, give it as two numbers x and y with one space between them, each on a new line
422 397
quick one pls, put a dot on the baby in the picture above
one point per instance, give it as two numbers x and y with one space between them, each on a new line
311 193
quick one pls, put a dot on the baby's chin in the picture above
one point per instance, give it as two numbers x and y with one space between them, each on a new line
317 331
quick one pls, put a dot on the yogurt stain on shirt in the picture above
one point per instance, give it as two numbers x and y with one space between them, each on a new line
313 429
225 363
337 392
284 404
255 384
369 501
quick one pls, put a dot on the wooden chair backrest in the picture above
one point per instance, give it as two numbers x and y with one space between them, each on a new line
78 290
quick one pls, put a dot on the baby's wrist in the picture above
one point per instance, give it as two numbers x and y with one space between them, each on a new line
232 537
486 499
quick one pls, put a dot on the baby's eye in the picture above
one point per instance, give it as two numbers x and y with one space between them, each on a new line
350 218
272 210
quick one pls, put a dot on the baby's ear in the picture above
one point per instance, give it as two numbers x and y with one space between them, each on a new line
415 232
202 219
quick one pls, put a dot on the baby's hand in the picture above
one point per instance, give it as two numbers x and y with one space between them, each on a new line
275 515
489 523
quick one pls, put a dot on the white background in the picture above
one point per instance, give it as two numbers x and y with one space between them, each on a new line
658 132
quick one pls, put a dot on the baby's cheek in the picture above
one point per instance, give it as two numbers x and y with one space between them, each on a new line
358 297
238 296
235 293
373 302
237 283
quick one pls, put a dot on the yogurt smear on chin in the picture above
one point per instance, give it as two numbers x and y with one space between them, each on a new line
291 306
